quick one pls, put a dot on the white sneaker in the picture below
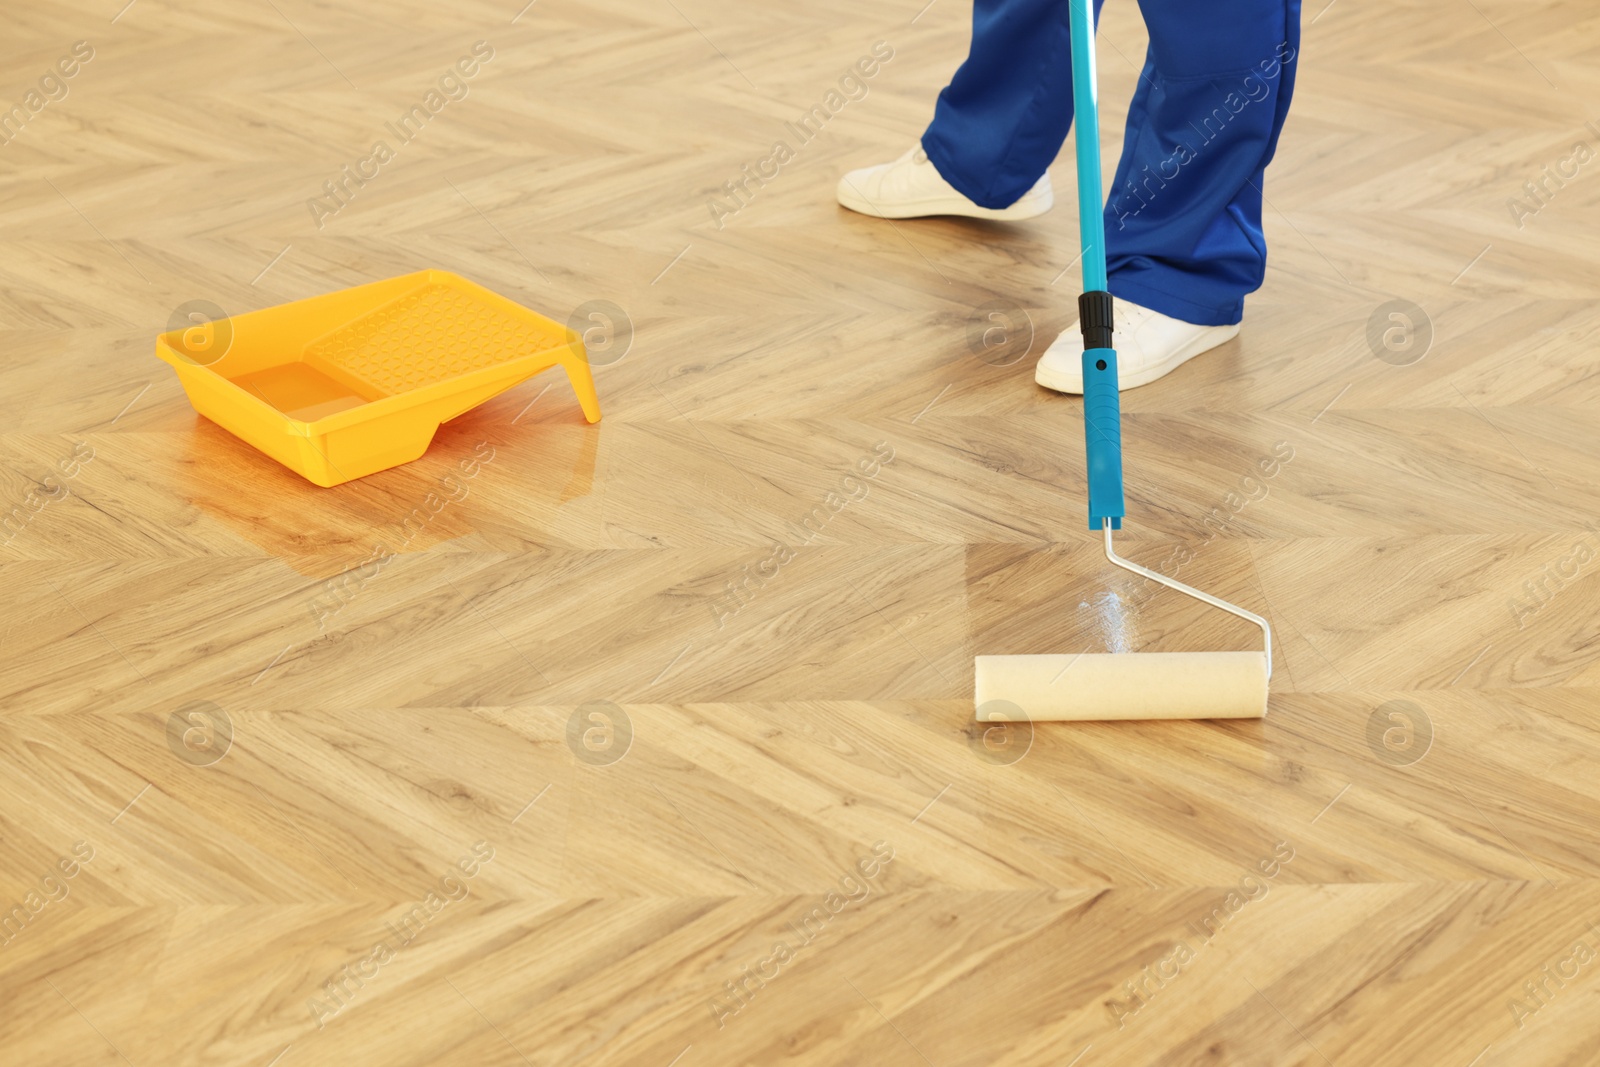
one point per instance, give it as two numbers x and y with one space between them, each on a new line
1148 345
912 187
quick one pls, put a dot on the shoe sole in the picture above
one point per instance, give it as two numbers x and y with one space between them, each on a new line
1026 208
1074 386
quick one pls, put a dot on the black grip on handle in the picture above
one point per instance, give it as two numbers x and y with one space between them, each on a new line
1094 319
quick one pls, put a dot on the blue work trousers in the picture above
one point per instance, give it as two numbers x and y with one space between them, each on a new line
1183 215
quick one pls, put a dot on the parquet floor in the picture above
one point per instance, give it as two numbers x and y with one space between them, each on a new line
551 786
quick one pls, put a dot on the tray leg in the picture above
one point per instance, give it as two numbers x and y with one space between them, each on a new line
582 380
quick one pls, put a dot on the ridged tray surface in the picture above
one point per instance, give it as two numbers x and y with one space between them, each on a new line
428 336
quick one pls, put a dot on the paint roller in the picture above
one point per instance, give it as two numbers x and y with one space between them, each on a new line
1122 685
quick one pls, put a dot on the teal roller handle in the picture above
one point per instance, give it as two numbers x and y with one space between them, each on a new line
1102 413
1102 433
1086 121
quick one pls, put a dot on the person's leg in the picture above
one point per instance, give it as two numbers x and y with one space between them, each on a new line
1183 215
1002 119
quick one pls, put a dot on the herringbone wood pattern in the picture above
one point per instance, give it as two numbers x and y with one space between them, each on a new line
810 504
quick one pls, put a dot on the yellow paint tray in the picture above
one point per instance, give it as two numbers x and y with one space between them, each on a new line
354 382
